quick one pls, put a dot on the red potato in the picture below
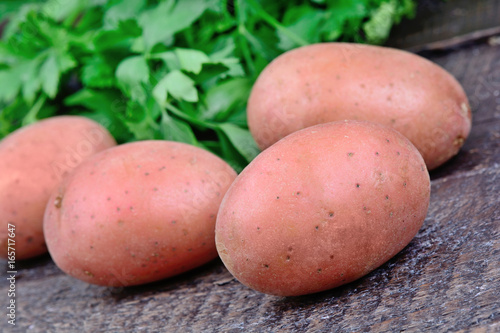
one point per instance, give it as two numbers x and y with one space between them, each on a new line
336 81
137 213
322 207
33 160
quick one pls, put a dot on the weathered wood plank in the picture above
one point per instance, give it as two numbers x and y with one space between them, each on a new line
444 24
447 279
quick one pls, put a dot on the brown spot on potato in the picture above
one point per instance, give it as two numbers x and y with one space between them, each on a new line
459 141
58 201
331 214
88 273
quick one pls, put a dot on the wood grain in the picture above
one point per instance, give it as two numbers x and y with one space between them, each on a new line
446 279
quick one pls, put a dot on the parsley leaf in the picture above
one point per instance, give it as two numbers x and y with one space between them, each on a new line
162 22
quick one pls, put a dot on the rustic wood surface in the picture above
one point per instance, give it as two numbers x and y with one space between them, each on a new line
447 279
444 24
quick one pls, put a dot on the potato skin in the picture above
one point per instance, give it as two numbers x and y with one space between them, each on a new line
33 160
137 213
322 207
335 81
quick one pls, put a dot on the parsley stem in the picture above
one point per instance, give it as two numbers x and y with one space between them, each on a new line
242 36
275 24
188 118
31 116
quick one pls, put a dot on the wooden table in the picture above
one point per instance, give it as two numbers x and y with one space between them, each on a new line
447 279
